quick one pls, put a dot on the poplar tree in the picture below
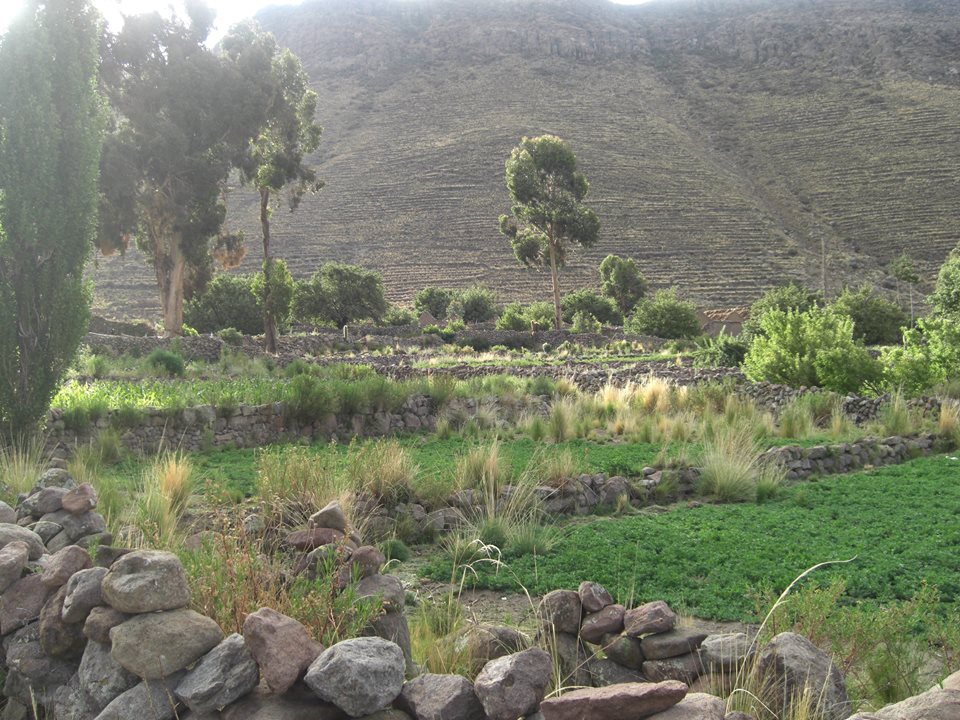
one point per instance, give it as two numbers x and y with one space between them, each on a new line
51 131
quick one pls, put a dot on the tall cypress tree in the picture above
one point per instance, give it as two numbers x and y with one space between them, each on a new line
51 130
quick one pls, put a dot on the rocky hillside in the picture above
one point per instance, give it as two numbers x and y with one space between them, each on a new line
727 142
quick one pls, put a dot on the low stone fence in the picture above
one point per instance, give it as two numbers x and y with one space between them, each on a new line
97 632
205 427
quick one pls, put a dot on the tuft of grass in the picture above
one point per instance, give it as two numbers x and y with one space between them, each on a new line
21 463
556 469
167 484
729 466
895 416
481 467
562 420
948 423
384 469
293 483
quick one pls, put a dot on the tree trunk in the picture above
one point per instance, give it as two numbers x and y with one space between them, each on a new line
170 271
554 277
269 323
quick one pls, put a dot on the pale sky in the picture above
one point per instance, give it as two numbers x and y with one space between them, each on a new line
229 12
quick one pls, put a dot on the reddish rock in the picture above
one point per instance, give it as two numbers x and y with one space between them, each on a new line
22 603
13 559
561 611
606 621
80 500
58 638
366 561
672 644
594 597
629 701
63 564
624 650
307 540
101 621
281 646
654 617
685 668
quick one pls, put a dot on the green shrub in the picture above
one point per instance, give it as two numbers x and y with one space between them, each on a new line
309 398
621 281
540 314
434 300
721 351
665 315
876 321
231 336
785 297
276 298
229 301
584 322
340 294
513 318
814 348
945 299
588 301
929 356
397 316
473 305
167 362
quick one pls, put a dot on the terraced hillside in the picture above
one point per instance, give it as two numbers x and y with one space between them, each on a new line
728 142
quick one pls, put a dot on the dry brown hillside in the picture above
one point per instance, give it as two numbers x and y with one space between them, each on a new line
724 140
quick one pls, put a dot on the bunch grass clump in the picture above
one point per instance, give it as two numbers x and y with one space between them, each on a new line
21 463
167 484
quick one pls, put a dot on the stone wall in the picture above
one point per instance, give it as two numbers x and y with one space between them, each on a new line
97 632
205 427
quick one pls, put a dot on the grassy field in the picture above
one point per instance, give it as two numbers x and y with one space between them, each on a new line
902 523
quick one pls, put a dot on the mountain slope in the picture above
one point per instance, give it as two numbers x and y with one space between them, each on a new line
727 142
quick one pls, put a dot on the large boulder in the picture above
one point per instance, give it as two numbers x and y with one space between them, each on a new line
223 675
440 697
331 516
148 700
685 668
63 564
22 603
695 706
156 645
608 621
102 678
594 597
630 701
101 621
935 704
32 675
485 641
296 704
359 676
13 559
671 644
83 594
281 646
14 533
793 666
623 650
561 611
58 638
513 685
146 581
654 617
386 588
724 653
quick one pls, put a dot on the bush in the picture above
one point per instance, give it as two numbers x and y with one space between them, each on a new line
229 301
584 322
588 301
945 299
166 361
621 281
341 294
474 305
513 318
721 351
665 316
812 348
785 297
397 316
434 300
540 314
231 336
309 399
876 321
929 356
275 298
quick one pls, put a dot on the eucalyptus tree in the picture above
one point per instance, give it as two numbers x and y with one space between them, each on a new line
51 130
181 114
274 160
548 214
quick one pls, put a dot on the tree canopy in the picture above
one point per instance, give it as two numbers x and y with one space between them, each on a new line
547 215
51 130
621 280
181 116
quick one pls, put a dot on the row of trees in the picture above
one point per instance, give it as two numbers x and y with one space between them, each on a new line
109 138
